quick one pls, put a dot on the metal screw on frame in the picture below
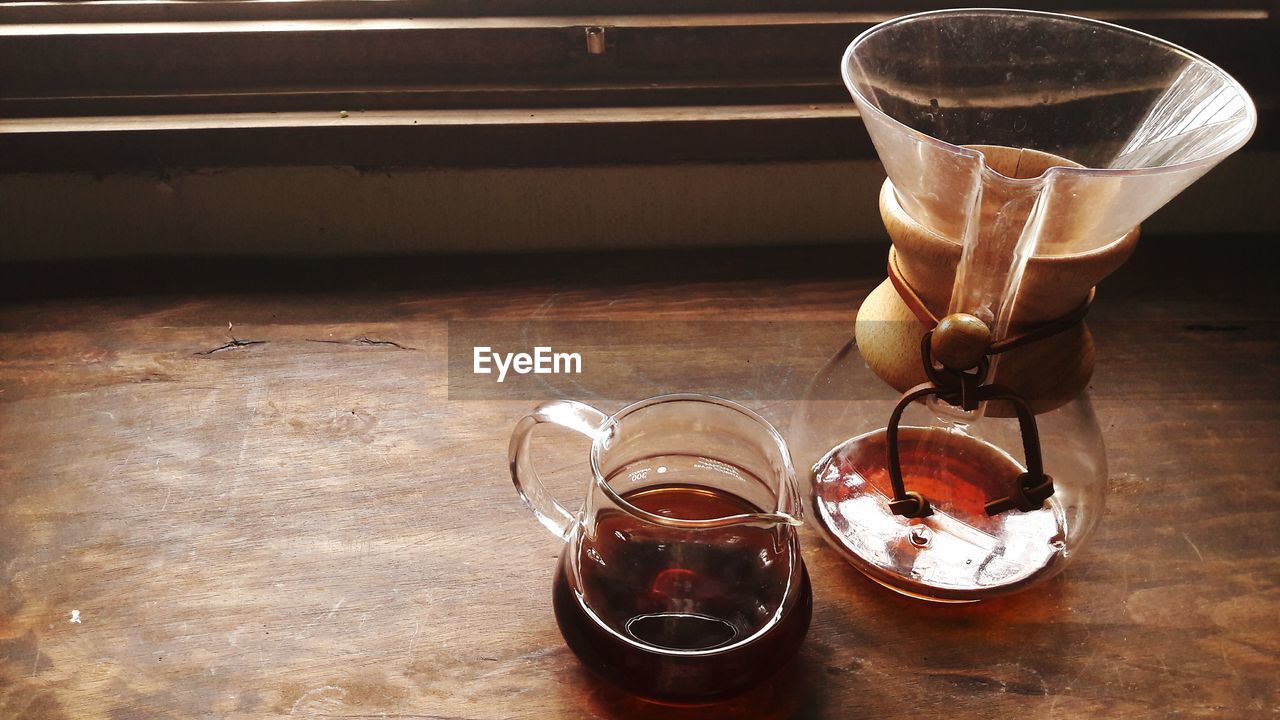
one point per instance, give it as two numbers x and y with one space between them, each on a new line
595 40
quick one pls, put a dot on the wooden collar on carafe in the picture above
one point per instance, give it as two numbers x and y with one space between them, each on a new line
1044 330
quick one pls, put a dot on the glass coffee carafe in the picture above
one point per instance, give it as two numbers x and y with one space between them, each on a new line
1022 151
681 578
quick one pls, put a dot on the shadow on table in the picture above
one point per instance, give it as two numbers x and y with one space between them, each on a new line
870 650
787 694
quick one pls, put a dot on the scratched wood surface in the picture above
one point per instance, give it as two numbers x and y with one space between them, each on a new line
315 529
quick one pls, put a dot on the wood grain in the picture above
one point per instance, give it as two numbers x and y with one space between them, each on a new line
312 529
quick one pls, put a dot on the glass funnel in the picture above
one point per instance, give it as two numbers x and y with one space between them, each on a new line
1023 149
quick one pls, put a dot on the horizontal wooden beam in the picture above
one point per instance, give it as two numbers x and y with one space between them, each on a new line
777 91
427 138
185 10
532 137
111 59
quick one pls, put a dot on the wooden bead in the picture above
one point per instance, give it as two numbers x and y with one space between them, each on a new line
960 341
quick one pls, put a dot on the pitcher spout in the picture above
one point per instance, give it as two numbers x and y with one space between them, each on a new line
785 519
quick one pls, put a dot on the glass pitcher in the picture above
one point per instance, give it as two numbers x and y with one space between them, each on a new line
681 579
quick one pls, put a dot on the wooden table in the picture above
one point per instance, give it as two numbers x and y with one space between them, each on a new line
315 529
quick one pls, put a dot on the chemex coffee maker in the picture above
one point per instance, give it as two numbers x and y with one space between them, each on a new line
1023 149
950 449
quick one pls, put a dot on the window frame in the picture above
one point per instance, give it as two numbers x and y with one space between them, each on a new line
128 85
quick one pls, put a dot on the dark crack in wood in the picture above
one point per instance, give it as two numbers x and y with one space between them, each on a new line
1216 328
232 344
365 341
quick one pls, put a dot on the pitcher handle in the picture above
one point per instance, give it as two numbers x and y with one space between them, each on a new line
569 414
